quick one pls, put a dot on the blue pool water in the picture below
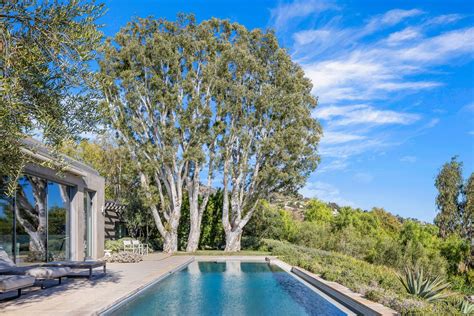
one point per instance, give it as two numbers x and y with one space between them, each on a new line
228 288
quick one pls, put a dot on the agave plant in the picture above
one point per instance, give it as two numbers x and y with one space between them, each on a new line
466 307
428 288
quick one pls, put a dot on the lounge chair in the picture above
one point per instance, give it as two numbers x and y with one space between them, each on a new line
84 265
15 282
8 267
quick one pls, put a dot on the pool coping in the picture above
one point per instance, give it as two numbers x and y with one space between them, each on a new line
288 269
342 294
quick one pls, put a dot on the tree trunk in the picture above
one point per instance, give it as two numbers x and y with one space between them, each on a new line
37 242
193 238
170 241
232 240
195 216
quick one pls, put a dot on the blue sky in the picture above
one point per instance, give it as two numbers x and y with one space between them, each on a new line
395 81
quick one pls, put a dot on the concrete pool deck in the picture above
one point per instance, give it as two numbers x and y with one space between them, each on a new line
87 297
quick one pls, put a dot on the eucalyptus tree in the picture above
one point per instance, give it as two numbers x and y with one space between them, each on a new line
268 138
45 51
449 183
158 77
468 213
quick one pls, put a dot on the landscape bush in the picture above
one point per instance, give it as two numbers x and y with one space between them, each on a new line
376 282
115 245
375 236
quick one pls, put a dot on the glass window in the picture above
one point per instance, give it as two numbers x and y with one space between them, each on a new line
31 215
42 221
6 223
88 200
58 228
120 230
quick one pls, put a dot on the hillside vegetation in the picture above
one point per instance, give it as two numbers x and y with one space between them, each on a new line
366 251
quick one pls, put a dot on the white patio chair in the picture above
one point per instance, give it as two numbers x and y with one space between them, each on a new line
128 245
142 248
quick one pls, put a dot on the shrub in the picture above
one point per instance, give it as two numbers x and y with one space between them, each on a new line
466 307
378 283
428 288
317 211
115 245
124 257
456 251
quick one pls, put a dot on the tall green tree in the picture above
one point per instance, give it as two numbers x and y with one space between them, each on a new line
45 51
467 219
449 183
269 139
158 78
192 100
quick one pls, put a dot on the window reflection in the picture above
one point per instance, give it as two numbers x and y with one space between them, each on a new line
42 217
31 216
58 230
6 223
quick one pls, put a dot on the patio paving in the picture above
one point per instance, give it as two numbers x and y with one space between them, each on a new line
87 297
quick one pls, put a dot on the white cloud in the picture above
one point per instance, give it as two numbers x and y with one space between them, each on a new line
332 165
363 114
445 19
285 13
406 34
432 123
409 159
359 76
469 107
339 138
361 72
324 191
439 48
395 16
310 36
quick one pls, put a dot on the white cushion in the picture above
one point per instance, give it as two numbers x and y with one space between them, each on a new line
13 282
48 273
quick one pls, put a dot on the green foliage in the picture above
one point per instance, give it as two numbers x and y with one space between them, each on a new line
457 251
270 222
449 184
45 51
376 237
467 218
466 307
418 284
455 202
179 96
212 231
377 283
114 245
317 211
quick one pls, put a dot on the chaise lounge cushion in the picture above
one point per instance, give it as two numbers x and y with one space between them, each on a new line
14 282
48 273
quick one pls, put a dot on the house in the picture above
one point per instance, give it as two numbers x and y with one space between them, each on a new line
53 215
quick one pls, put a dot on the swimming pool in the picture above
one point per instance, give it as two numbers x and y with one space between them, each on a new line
229 288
